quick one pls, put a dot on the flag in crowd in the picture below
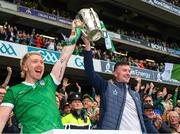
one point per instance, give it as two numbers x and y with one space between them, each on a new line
172 71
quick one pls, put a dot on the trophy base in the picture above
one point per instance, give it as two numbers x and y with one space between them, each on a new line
95 35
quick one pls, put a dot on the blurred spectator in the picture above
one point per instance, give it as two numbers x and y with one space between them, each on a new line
173 122
153 122
2 33
65 109
51 45
38 41
11 125
10 34
88 104
77 119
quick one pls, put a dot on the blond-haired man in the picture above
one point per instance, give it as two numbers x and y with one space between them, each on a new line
33 101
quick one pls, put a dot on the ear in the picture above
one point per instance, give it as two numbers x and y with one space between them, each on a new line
70 105
25 68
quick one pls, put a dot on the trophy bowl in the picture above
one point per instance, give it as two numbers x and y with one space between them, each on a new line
92 26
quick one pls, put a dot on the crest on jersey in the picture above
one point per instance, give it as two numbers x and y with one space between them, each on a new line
42 83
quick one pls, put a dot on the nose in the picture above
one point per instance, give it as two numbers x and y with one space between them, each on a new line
41 64
128 73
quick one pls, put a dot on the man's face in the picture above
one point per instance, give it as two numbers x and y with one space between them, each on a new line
2 93
159 94
174 119
122 73
67 109
34 68
148 100
76 105
87 103
149 113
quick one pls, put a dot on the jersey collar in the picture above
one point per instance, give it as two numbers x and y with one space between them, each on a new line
28 84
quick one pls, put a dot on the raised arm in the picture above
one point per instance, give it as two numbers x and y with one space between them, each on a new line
97 81
59 68
8 77
138 86
175 97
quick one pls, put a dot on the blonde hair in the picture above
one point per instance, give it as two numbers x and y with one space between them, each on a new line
23 61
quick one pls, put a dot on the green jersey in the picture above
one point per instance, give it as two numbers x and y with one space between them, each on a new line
35 105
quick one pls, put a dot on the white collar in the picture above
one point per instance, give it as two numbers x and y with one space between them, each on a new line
27 83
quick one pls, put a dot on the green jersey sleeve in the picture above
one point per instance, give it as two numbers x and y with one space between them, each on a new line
8 99
51 82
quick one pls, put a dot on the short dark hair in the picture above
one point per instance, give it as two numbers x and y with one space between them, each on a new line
148 106
121 63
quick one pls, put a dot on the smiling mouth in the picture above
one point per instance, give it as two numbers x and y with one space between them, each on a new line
38 70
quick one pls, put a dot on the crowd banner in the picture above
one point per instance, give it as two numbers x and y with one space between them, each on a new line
44 15
76 61
49 57
133 40
13 50
114 35
149 45
146 74
164 5
107 67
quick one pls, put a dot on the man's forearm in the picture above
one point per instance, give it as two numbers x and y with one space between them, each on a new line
66 53
60 66
4 115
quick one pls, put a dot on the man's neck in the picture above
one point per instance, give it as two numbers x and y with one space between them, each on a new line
78 111
31 81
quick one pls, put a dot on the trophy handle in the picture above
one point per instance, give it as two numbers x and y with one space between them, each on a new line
83 32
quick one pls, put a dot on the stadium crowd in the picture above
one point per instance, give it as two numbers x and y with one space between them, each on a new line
13 34
158 40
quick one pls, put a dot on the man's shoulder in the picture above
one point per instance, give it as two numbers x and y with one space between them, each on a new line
68 115
66 118
47 77
17 87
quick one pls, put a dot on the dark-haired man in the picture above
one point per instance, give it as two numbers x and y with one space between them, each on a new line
120 107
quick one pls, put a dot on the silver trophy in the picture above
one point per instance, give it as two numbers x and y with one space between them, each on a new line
92 27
